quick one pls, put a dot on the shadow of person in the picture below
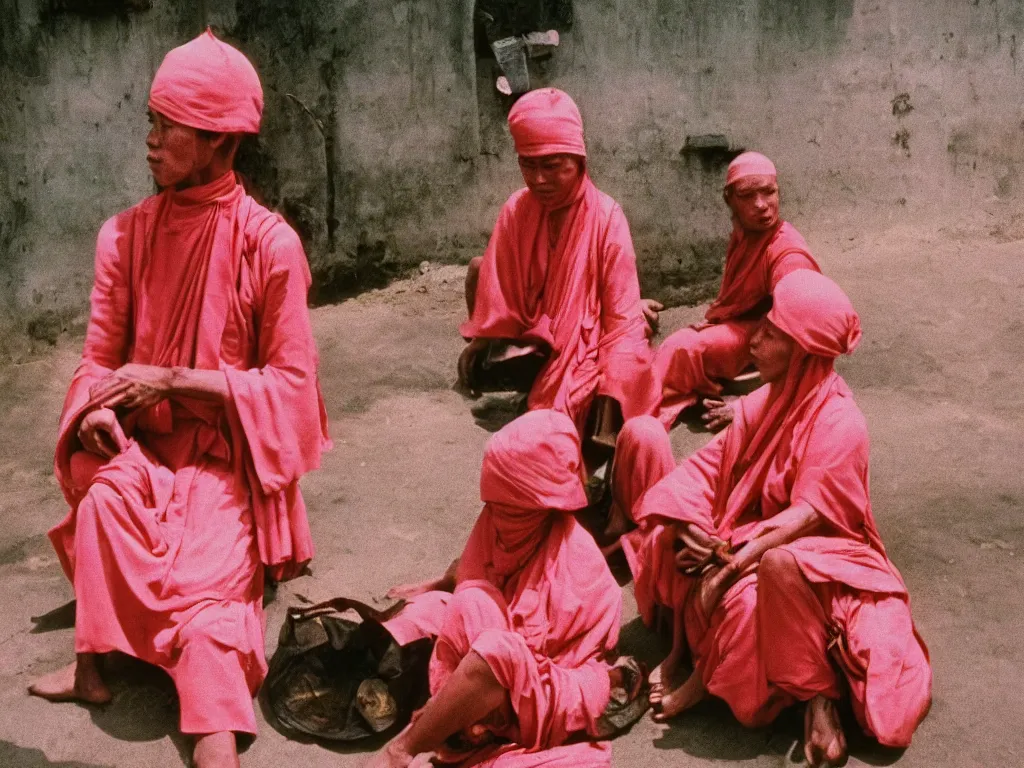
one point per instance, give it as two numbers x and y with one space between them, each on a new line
709 731
27 757
61 617
144 705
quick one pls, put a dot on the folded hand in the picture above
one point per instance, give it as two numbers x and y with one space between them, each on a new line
133 386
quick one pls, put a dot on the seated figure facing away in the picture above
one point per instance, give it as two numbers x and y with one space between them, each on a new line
764 547
193 413
761 251
522 661
559 275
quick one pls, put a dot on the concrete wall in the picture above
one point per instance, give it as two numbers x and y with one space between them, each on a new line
384 140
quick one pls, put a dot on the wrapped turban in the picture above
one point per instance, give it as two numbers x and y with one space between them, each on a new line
749 164
546 122
209 85
816 313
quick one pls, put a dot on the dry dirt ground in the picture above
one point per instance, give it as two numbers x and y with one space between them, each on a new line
395 500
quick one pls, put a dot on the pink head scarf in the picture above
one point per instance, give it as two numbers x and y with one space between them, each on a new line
209 85
749 164
816 313
546 122
533 463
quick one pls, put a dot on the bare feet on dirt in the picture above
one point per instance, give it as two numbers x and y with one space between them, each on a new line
78 681
677 700
824 741
391 755
661 677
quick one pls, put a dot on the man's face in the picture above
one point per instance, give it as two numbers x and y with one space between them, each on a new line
772 349
754 201
552 178
177 153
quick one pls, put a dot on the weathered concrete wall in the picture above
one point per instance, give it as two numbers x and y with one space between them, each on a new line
384 143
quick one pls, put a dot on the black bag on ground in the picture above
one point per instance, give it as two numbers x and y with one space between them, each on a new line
338 674
508 366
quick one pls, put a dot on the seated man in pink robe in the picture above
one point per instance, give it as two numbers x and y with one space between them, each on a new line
762 250
523 649
764 546
191 417
560 274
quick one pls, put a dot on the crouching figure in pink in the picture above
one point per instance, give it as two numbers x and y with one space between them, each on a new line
764 546
521 662
191 417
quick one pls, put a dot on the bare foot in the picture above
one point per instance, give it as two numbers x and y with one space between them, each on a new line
216 750
78 681
660 677
409 591
392 755
678 700
824 741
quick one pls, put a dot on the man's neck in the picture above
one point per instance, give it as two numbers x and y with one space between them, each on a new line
210 172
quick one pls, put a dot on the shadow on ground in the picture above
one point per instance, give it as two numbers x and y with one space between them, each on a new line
25 757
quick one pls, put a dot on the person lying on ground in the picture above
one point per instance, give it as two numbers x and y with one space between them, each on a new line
191 417
522 662
762 250
764 546
559 274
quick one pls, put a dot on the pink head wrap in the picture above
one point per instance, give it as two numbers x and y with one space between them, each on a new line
546 122
749 164
209 85
534 463
816 313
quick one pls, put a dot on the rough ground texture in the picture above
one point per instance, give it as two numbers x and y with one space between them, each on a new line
396 498
384 140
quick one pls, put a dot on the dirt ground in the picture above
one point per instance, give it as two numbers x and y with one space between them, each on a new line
395 500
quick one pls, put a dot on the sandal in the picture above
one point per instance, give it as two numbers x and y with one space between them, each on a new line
628 702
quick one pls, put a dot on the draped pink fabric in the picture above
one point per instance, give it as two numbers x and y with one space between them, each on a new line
802 441
534 597
164 543
580 298
209 85
690 360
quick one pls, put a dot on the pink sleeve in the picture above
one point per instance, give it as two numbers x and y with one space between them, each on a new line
790 261
624 353
832 474
687 493
496 313
278 402
107 341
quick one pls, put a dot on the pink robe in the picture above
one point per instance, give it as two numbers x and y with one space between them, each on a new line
166 543
581 299
535 599
691 360
811 448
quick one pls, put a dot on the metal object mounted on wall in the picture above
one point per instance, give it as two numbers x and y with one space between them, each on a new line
511 55
512 52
